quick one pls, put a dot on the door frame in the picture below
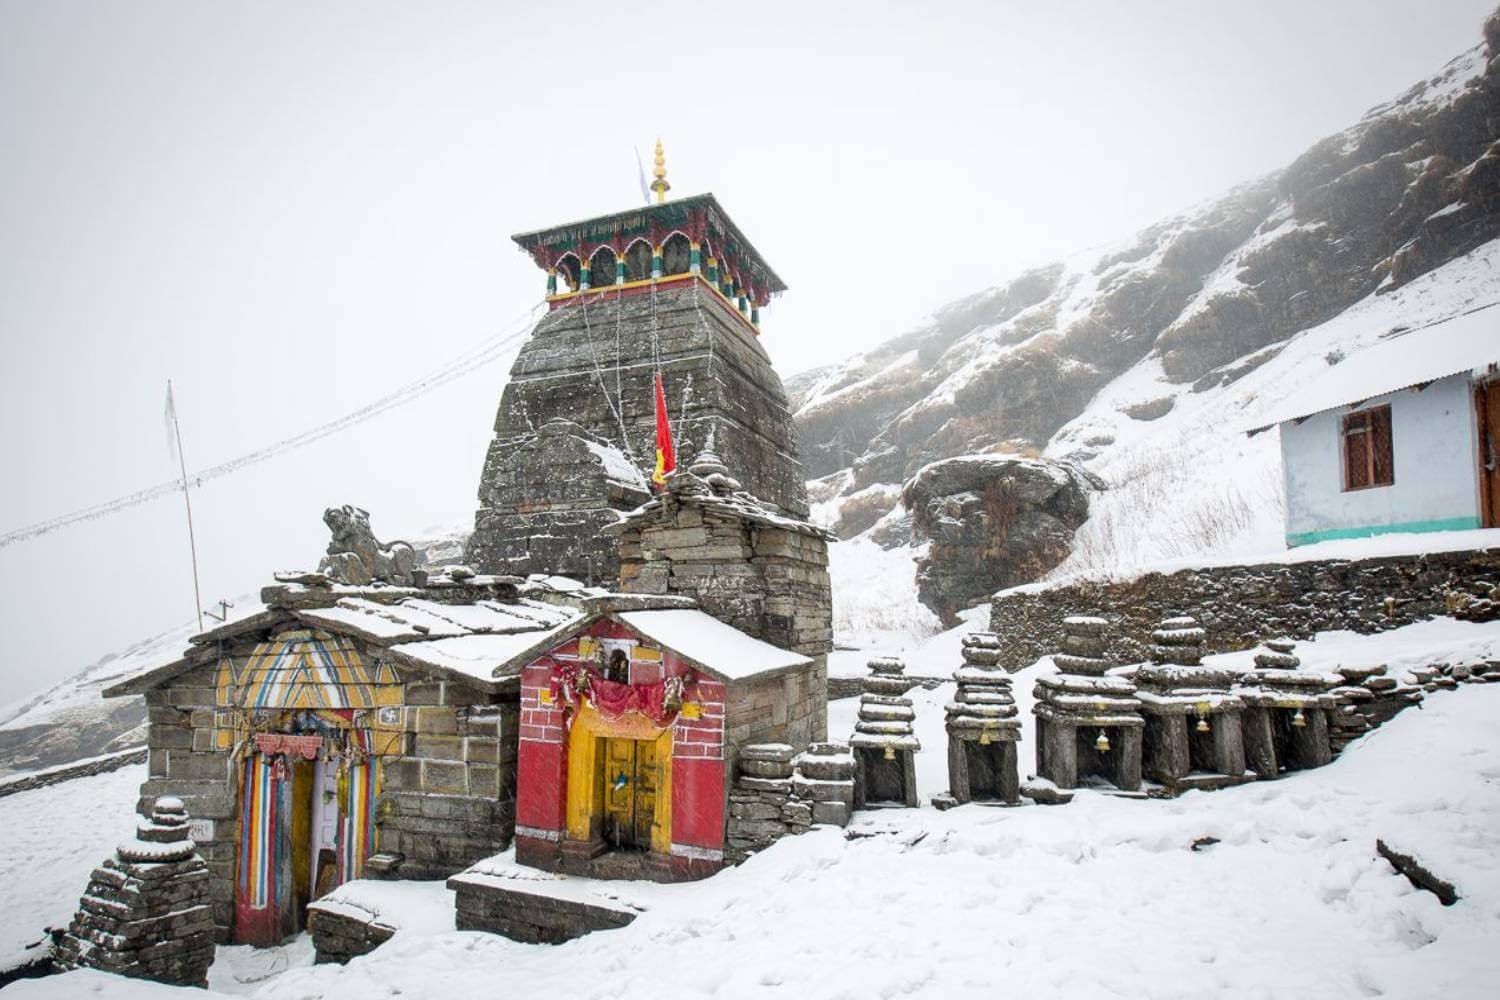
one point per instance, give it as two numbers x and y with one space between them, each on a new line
585 791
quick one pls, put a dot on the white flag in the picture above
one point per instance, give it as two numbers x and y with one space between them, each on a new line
171 420
641 171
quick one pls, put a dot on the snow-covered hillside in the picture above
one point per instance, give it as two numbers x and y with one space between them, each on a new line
1145 360
1106 896
72 720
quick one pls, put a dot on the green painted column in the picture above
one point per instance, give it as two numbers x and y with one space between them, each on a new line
713 271
695 258
655 263
583 277
619 270
551 281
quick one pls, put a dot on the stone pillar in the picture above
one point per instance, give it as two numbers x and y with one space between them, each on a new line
147 912
1084 705
1281 698
1194 737
884 742
982 727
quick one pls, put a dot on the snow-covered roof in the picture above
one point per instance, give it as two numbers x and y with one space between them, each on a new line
1462 344
711 644
481 657
466 641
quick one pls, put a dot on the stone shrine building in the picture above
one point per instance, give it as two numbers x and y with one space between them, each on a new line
338 724
673 288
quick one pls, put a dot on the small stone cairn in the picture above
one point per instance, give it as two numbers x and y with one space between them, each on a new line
1369 696
884 743
1088 722
1287 709
982 728
146 913
1194 733
777 794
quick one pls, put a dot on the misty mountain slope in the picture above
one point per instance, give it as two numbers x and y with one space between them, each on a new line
1206 296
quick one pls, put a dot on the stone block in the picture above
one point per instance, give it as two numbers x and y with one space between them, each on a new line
444 777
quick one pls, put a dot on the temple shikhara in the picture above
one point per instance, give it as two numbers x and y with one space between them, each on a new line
674 290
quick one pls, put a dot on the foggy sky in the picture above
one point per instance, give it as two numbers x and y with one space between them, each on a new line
290 209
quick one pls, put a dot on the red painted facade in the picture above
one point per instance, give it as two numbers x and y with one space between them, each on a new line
697 766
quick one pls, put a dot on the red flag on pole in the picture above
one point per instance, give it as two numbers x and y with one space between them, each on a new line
666 456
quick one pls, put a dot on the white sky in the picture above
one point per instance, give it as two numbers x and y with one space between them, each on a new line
291 209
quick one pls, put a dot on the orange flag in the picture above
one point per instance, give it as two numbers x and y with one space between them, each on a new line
666 455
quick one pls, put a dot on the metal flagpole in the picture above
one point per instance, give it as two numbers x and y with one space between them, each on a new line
187 501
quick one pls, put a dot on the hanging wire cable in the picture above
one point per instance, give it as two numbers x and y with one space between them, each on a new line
488 351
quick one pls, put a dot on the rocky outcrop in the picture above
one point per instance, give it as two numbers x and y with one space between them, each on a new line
993 521
1413 185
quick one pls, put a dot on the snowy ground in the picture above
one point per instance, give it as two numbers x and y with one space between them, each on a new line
1098 898
50 840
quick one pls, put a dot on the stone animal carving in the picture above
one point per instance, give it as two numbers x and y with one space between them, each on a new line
355 556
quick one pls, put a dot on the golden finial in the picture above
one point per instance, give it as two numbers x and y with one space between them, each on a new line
659 171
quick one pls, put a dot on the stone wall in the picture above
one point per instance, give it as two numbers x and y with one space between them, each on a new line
83 769
1240 606
586 354
447 800
450 799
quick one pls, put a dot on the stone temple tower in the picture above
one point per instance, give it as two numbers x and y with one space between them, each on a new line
673 288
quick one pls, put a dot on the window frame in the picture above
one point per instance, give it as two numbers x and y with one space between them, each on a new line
1362 421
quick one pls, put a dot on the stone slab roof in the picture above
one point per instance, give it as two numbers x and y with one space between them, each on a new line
462 638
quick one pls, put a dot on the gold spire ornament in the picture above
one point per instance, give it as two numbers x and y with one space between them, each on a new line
1102 743
659 172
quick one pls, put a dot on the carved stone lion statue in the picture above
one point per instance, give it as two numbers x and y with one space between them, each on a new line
356 556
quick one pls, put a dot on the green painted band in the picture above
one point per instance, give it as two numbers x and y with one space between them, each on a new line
1408 527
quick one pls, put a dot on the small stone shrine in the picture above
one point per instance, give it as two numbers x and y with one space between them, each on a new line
884 742
1286 719
1088 723
1194 737
982 727
146 912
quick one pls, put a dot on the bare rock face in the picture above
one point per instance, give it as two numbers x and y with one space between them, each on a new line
994 521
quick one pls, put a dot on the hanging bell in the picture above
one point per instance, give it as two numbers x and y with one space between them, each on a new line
890 753
984 738
1102 743
1202 726
1298 719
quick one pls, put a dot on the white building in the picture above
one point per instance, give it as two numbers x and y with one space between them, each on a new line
1402 436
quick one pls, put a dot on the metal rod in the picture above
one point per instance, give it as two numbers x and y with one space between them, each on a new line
187 501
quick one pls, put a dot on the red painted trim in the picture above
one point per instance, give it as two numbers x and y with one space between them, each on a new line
697 801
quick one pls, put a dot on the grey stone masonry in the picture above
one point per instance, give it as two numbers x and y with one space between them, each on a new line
146 911
1239 605
745 564
1287 710
593 363
1194 721
885 742
778 793
1089 721
761 572
982 727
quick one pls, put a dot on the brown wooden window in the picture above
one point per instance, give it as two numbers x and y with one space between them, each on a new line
1368 459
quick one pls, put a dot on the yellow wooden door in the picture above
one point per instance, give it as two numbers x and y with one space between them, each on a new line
629 791
645 792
